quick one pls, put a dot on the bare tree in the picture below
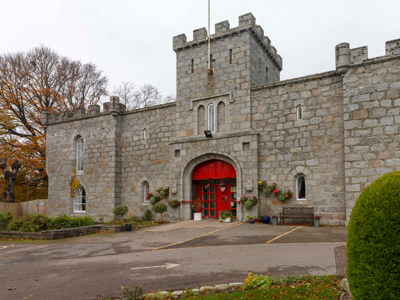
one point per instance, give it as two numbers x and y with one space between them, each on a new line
143 96
36 81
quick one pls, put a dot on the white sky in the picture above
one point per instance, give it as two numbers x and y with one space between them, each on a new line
131 40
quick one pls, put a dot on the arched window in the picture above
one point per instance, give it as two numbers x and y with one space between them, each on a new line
221 117
299 112
201 119
145 134
211 118
79 154
301 188
80 200
145 191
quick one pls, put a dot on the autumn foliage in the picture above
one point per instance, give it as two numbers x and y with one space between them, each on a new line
30 83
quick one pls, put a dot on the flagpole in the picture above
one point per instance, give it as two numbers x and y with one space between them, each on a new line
209 53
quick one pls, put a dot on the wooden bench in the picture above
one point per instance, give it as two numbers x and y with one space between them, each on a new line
304 213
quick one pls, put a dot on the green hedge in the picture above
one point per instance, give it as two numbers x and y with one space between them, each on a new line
36 223
373 241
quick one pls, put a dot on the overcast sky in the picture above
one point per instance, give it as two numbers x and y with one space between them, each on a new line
131 40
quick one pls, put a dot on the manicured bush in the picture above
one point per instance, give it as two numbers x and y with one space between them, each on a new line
120 210
373 244
160 208
248 204
153 201
147 215
5 219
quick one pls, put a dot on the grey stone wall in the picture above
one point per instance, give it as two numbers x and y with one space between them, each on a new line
312 147
371 91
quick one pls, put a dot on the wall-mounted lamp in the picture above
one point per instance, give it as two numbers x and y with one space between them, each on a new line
208 134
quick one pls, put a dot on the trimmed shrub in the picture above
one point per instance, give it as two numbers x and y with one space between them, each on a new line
160 208
5 219
30 223
153 201
373 244
248 205
120 210
147 215
65 221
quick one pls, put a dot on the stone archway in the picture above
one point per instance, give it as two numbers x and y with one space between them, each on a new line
187 173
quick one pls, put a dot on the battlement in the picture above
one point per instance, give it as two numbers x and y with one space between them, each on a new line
247 22
346 57
113 107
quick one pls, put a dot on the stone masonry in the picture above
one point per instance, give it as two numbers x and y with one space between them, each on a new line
347 137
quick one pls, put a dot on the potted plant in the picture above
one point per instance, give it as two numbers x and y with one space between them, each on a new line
249 218
317 221
274 220
226 215
174 203
160 208
196 206
259 219
120 211
288 194
265 219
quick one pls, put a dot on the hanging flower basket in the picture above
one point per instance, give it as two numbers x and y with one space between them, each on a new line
174 203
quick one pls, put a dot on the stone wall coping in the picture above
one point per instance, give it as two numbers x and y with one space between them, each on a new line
230 94
60 233
134 111
230 33
221 135
295 80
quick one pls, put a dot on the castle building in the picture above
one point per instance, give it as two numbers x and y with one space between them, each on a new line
325 136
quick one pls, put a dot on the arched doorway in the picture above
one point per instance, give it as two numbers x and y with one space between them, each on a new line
214 182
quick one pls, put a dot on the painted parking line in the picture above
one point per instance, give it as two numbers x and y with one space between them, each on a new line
282 235
177 243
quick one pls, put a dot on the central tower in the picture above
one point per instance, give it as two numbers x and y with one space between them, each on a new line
241 57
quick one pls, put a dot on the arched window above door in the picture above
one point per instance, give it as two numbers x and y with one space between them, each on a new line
211 118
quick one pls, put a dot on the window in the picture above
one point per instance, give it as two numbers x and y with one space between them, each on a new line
145 134
201 119
145 191
79 154
211 118
299 112
80 200
192 66
301 188
230 56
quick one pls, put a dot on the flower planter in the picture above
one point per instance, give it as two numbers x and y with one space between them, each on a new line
251 222
255 220
316 222
197 216
266 220
274 221
128 227
227 220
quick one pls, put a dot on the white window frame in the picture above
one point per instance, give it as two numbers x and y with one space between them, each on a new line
146 190
80 200
299 111
211 118
79 154
298 190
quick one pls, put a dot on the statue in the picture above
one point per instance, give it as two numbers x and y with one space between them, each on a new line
10 177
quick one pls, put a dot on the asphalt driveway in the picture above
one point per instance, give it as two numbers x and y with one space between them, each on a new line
178 255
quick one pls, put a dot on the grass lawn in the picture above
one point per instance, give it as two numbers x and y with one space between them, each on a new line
305 287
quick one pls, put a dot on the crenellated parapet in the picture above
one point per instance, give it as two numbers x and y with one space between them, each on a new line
113 107
247 22
346 57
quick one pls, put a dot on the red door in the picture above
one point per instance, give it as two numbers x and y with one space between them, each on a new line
216 179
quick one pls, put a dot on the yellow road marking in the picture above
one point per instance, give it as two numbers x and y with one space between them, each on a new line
283 235
247 245
177 243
